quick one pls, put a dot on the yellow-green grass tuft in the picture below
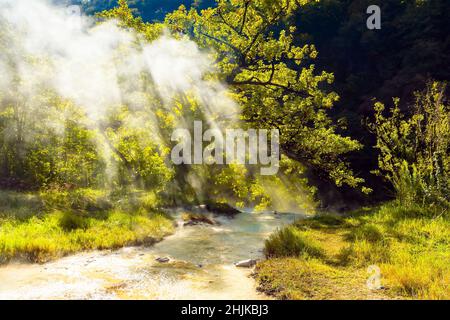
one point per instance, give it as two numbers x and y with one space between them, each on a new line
290 241
69 223
411 246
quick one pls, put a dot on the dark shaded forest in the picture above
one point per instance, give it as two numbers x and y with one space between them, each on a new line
412 47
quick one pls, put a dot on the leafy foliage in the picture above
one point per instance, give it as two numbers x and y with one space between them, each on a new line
415 150
265 56
149 10
274 80
39 154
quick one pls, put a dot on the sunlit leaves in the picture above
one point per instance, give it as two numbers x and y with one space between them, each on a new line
414 149
273 79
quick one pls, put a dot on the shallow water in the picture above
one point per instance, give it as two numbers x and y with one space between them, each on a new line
201 267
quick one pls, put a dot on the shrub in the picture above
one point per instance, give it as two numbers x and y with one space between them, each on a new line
415 149
70 221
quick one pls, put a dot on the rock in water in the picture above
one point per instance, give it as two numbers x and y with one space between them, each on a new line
222 209
246 263
193 219
163 259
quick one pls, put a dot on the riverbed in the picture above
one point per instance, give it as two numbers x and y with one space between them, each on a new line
201 266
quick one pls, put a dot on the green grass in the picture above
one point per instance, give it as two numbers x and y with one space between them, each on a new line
310 278
67 222
411 246
291 241
19 206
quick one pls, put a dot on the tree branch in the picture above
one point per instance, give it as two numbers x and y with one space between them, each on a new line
244 18
226 23
256 82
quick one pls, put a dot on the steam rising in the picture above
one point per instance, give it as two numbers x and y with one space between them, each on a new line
100 68
97 65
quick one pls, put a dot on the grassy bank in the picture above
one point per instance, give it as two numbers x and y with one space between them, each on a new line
327 257
44 226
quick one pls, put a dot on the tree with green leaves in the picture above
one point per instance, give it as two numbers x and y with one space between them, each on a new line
273 80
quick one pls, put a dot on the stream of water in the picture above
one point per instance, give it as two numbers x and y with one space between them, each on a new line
201 266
